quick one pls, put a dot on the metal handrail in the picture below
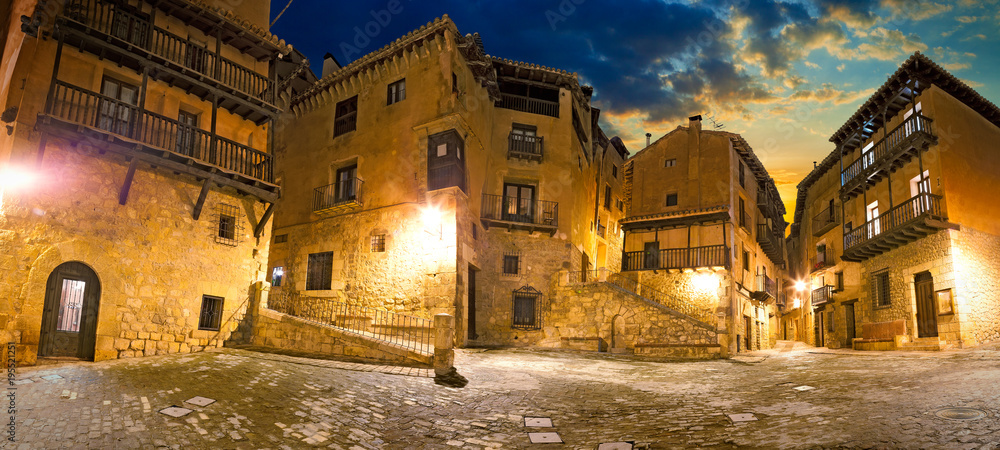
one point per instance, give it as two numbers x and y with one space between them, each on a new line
520 210
339 193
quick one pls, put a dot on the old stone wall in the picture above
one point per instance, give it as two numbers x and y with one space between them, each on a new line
977 284
153 260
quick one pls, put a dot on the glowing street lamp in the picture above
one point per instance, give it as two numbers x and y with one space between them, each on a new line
14 178
431 217
800 286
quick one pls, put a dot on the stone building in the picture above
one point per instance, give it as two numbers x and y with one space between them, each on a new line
705 228
897 230
137 173
428 177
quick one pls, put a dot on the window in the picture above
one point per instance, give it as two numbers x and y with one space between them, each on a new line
277 274
346 118
378 243
229 231
526 305
319 271
454 82
445 167
614 171
117 113
347 184
880 289
829 322
524 141
475 232
607 197
670 163
130 25
281 238
621 205
518 203
743 213
211 313
840 281
396 92
187 137
511 264
671 199
746 261
743 176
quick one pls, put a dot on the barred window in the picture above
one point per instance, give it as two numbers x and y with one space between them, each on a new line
511 264
880 288
211 313
229 231
829 322
319 271
281 238
378 243
526 309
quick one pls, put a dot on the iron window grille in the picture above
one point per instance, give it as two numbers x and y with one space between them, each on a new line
281 238
230 229
526 314
211 313
277 274
880 288
378 243
319 271
511 264
396 92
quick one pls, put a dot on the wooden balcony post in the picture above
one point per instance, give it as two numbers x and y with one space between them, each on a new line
55 76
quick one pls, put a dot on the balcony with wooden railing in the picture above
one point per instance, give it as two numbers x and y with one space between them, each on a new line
529 105
711 256
83 116
764 288
913 219
124 37
822 295
770 243
520 213
524 147
898 146
821 261
824 221
338 197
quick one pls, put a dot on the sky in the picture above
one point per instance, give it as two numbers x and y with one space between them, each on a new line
785 75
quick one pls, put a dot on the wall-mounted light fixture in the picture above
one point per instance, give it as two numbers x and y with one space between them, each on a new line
431 217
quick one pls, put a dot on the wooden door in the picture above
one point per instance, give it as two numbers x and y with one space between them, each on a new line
651 255
471 320
849 318
747 331
69 316
818 328
926 310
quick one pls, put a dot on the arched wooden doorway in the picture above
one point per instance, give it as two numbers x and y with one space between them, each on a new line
618 334
69 317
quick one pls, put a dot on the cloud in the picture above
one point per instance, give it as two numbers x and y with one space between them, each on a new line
841 67
888 45
811 65
967 19
915 10
955 66
827 93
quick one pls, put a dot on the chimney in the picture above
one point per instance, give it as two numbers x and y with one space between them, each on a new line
814 164
330 65
695 122
648 135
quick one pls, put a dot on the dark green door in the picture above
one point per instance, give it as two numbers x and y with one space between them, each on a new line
69 317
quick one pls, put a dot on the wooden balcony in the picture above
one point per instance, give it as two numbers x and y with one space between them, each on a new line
529 105
712 256
892 151
821 261
822 295
824 221
123 37
770 243
524 147
338 197
520 213
913 219
765 288
82 116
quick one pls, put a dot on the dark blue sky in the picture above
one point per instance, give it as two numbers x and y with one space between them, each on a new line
785 74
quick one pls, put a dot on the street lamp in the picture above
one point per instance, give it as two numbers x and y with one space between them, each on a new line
431 217
800 286
14 178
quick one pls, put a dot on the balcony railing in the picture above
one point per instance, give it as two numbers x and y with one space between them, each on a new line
529 105
822 295
116 26
345 124
819 261
765 287
898 141
824 221
677 258
514 212
524 146
336 197
770 243
80 106
910 220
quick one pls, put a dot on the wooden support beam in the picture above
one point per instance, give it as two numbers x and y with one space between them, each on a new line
201 198
259 229
123 195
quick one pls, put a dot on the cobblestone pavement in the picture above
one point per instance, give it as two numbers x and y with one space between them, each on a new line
263 400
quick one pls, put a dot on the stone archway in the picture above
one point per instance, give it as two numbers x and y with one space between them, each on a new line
618 334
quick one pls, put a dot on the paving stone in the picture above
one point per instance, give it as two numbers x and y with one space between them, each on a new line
544 438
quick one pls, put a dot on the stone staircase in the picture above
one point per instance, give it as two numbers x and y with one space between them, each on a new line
660 300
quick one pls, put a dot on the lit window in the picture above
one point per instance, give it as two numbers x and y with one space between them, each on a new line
396 92
277 274
211 313
525 314
670 163
319 271
378 243
511 264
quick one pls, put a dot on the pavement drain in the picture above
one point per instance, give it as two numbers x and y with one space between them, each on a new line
51 377
960 413
746 417
545 438
803 388
199 401
541 422
175 411
615 446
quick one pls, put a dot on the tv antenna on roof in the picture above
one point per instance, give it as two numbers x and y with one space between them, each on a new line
715 124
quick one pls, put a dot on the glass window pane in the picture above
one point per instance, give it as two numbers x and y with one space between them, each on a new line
70 306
